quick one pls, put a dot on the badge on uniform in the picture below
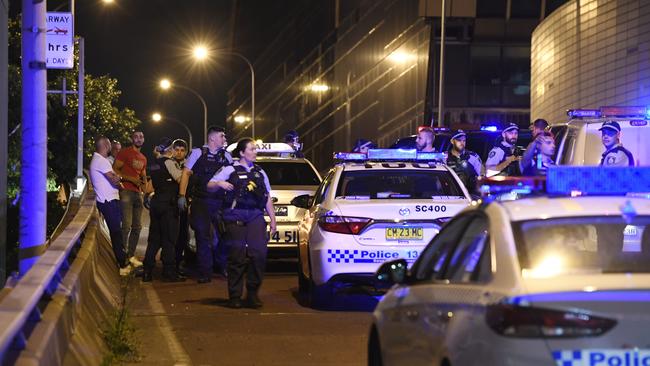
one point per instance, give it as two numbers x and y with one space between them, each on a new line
492 154
611 160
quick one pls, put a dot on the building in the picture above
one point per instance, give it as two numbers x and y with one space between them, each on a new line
591 53
369 69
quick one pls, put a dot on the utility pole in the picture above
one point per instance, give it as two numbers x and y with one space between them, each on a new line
441 79
33 177
4 22
81 181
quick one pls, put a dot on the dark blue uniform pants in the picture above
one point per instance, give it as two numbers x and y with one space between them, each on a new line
204 218
246 241
163 231
112 212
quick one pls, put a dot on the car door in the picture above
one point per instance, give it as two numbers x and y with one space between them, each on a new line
404 340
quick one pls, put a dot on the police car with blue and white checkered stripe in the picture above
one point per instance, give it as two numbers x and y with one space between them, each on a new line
371 208
559 278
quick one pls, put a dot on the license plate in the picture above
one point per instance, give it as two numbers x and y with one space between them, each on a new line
404 233
284 237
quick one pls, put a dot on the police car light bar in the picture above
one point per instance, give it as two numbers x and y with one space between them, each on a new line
620 111
578 113
566 180
489 128
391 155
268 147
509 188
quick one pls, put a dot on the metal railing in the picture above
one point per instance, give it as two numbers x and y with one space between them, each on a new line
22 307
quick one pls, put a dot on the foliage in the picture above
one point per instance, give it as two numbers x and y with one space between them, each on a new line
101 117
119 333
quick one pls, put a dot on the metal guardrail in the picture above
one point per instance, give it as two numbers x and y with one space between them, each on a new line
23 306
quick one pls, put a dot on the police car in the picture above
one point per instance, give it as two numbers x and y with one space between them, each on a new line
370 209
562 278
578 141
289 177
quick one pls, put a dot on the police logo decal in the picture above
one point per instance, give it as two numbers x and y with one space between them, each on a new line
492 154
611 160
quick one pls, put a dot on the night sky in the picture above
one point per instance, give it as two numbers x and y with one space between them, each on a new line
140 41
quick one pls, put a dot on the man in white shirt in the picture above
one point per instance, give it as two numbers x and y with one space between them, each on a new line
106 184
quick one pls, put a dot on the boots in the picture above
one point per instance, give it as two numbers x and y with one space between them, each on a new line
170 275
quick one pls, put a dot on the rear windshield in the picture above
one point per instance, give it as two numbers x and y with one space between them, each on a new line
397 184
289 173
583 245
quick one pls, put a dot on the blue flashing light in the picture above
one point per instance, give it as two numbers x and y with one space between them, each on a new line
431 156
392 154
489 128
350 156
566 180
579 113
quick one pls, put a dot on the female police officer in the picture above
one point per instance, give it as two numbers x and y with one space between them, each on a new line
247 195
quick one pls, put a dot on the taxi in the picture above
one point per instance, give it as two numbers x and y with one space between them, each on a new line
528 279
289 177
369 209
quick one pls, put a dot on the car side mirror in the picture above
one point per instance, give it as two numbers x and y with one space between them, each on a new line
393 272
302 201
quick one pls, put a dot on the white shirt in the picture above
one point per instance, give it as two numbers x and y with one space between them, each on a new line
104 190
224 173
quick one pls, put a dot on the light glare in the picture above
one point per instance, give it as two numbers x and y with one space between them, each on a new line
200 52
165 84
156 117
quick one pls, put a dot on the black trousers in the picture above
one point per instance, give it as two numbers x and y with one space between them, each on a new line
204 217
183 236
247 244
112 212
163 232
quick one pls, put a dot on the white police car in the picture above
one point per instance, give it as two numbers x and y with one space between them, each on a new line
289 177
370 209
544 280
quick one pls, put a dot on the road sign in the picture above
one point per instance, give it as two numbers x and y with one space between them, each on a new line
60 38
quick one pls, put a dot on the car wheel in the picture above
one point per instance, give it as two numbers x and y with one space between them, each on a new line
303 282
374 348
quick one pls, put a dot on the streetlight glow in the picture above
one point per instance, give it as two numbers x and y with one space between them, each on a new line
242 119
318 88
200 52
165 84
401 57
156 117
108 1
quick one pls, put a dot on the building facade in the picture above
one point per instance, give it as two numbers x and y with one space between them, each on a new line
373 71
591 53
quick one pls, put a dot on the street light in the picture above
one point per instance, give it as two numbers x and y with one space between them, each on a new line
157 117
241 119
166 84
200 52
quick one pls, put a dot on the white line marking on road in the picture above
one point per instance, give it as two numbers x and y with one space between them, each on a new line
181 358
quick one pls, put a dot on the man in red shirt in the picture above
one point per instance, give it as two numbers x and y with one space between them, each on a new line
130 164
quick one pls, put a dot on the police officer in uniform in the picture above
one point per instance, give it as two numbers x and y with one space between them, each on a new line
205 210
163 214
615 154
504 158
467 164
247 196
537 164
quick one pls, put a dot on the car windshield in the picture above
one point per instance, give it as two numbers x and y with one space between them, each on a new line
397 184
583 245
282 173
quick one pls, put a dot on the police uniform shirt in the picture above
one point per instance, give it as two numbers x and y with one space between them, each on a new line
617 156
224 174
196 154
469 157
174 169
497 155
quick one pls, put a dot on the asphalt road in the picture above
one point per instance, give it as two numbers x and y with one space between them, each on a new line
187 323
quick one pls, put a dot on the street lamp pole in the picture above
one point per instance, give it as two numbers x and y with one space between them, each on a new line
250 66
166 84
157 117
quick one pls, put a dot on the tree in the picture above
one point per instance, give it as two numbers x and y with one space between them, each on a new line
101 117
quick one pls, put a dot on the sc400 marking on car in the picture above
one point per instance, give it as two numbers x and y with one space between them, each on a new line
430 208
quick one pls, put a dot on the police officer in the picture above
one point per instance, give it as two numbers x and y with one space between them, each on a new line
538 163
615 154
202 164
163 214
247 196
180 154
363 145
504 157
467 164
293 139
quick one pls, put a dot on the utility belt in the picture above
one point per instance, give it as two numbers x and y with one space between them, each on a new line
241 216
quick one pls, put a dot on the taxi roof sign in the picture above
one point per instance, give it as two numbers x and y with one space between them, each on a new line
268 147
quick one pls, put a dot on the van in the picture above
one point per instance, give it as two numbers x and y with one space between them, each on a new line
578 141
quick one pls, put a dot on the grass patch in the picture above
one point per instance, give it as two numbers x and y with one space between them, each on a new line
119 334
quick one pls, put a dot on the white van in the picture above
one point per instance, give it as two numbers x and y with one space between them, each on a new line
578 140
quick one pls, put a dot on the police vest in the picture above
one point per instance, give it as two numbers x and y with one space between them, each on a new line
204 169
250 189
164 184
513 168
615 151
463 168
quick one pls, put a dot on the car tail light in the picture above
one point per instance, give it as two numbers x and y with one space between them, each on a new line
529 322
343 224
